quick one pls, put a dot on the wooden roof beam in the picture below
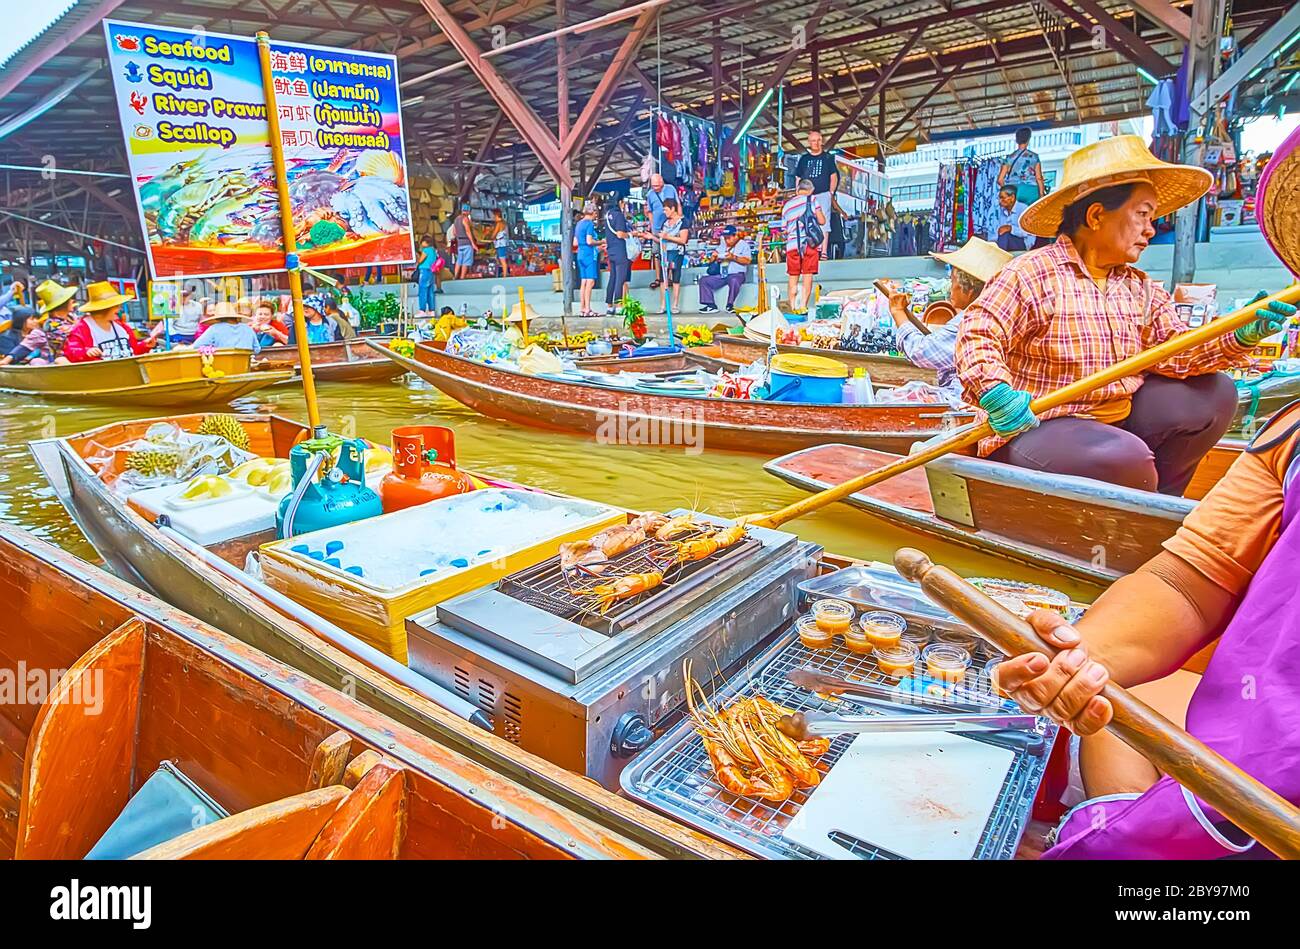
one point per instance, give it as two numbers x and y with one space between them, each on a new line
876 87
1174 21
1131 46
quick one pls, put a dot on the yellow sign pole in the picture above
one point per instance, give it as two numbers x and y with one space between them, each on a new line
286 228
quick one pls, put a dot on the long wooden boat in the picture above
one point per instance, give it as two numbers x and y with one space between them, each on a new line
681 360
883 368
345 360
1088 531
582 407
282 766
173 379
210 585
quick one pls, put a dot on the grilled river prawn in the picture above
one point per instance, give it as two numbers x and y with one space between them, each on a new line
749 755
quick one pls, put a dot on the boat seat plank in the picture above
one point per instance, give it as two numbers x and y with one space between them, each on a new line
280 830
370 824
835 464
71 751
330 760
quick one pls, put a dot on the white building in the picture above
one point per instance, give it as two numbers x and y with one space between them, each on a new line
913 175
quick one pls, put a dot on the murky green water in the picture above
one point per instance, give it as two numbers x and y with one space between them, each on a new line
722 483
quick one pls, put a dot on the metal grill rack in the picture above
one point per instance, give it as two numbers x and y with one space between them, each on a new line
674 774
569 596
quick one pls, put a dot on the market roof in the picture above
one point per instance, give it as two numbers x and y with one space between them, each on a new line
946 67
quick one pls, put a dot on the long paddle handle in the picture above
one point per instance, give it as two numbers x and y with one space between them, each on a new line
1071 393
1259 811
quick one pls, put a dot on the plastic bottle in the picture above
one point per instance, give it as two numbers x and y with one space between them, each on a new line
862 390
848 393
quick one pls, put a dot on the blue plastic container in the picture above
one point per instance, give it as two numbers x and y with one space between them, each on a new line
785 387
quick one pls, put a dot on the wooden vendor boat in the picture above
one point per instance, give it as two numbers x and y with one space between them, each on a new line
345 360
173 379
281 766
681 360
209 584
582 407
1086 530
884 369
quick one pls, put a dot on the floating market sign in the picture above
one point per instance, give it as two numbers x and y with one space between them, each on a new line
194 118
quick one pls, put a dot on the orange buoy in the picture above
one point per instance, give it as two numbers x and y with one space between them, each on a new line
424 468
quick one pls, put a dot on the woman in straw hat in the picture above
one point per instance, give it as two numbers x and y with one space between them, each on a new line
227 327
1061 312
973 266
100 334
54 304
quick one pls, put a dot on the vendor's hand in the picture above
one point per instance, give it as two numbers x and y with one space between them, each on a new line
94 352
1004 229
1066 688
1269 320
899 306
1008 409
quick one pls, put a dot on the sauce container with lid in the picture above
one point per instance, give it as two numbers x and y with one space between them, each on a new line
833 616
988 671
897 661
812 635
946 662
918 636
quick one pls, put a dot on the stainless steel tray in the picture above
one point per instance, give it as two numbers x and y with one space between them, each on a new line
673 775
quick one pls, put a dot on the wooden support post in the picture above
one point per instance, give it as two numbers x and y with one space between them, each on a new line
566 158
1207 21
815 62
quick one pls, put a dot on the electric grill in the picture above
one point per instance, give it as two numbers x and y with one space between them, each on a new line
585 689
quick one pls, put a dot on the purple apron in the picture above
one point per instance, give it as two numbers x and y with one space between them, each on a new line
1247 708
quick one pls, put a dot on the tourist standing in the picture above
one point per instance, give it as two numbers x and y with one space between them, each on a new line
501 242
462 231
1023 169
588 246
655 197
818 166
802 252
673 238
617 234
426 286
734 255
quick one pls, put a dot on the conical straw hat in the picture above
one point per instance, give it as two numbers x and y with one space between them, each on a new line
1124 159
977 257
102 295
51 295
1277 202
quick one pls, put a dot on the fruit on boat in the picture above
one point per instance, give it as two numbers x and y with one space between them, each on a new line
153 461
228 427
205 487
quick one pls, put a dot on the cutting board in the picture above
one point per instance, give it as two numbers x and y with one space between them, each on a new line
922 795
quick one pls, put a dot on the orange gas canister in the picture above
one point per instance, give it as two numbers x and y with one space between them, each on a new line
424 468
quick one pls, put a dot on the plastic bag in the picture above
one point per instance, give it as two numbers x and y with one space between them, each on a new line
919 392
166 454
536 361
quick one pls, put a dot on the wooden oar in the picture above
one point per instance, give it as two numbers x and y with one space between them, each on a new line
1265 815
1071 393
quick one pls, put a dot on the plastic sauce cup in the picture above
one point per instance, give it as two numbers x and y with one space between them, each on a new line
882 629
855 641
898 661
988 671
833 616
920 638
946 662
812 635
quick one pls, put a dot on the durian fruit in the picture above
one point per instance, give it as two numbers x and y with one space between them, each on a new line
206 486
228 427
153 461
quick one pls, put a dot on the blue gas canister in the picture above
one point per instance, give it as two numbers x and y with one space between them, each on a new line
326 492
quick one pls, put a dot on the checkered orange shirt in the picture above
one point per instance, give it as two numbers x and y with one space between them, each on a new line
1043 323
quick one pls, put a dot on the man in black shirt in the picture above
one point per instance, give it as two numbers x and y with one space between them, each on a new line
819 167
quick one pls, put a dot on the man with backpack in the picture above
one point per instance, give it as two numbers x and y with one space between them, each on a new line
804 225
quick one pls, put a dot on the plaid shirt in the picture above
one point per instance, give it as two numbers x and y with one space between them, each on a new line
1043 323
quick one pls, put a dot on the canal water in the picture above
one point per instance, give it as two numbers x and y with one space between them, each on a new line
640 477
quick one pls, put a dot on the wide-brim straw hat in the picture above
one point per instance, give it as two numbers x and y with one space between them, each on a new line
1277 202
102 295
224 310
50 295
980 258
516 317
1124 159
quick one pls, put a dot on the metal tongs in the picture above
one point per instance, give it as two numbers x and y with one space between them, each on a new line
976 719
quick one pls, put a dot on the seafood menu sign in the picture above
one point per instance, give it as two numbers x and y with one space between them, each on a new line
194 118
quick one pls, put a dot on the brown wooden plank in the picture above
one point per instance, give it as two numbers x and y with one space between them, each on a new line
74 749
281 830
330 760
370 824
